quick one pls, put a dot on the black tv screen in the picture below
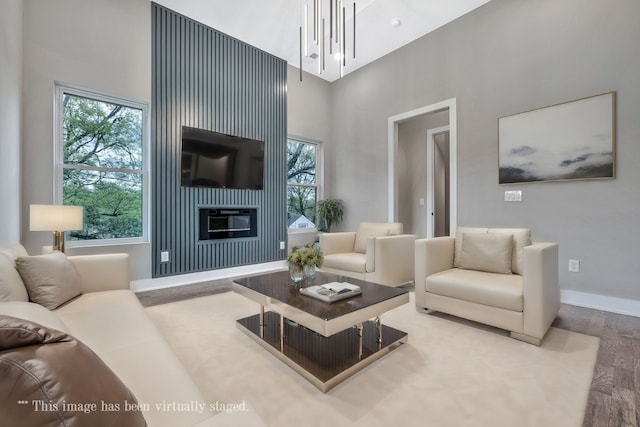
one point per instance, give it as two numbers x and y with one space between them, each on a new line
216 160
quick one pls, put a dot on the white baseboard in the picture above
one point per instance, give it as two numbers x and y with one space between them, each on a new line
625 306
204 276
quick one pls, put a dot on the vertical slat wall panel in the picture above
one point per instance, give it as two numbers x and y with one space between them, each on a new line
206 79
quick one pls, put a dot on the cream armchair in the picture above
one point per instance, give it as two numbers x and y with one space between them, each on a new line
493 276
377 252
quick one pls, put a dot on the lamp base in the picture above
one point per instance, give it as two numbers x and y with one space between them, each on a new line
58 241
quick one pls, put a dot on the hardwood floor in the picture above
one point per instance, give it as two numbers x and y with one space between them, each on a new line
614 399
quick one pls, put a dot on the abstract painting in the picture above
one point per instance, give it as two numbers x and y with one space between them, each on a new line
572 140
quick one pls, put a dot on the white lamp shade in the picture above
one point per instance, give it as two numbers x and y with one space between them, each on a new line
55 217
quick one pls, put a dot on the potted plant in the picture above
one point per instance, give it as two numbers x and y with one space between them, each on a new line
303 262
330 213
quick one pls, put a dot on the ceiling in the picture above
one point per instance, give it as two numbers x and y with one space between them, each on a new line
273 26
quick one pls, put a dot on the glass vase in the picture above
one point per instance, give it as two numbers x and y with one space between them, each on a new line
296 272
309 271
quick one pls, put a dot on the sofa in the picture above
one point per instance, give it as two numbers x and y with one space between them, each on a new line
377 252
495 276
107 342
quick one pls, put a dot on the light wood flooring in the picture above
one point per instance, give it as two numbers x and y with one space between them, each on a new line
614 399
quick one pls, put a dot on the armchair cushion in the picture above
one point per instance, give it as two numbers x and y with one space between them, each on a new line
486 252
50 279
495 290
369 229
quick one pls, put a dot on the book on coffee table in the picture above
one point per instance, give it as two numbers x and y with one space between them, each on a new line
332 292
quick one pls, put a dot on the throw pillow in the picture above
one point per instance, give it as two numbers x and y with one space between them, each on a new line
50 279
458 241
366 230
486 252
521 239
50 378
14 251
11 286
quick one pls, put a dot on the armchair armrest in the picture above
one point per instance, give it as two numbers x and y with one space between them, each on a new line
102 272
337 243
431 256
393 258
541 293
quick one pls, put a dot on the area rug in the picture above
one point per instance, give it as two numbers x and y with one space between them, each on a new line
450 373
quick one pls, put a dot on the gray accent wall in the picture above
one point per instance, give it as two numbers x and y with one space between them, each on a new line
205 79
503 58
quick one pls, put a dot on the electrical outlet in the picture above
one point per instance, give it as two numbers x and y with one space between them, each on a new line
164 256
281 245
574 265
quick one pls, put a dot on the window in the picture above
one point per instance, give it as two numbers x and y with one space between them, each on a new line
101 164
303 166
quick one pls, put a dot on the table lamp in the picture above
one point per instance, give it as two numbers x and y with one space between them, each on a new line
56 218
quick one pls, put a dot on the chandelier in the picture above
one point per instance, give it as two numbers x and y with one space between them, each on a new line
324 32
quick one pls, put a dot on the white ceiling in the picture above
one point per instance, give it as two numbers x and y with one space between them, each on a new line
273 25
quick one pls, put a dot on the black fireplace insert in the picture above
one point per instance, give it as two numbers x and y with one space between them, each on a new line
227 223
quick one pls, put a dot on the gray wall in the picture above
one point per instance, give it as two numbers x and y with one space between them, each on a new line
309 114
205 79
101 45
10 117
506 57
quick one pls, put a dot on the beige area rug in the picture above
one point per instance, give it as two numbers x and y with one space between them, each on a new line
450 373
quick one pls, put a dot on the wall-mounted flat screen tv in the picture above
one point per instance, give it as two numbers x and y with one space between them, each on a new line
216 160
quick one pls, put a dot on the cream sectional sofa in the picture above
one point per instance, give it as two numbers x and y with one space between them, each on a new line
495 276
110 320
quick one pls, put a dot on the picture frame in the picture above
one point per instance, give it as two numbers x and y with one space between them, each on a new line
574 140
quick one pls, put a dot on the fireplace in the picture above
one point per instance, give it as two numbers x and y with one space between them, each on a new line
227 223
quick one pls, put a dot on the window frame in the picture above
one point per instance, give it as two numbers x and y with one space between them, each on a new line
319 185
60 90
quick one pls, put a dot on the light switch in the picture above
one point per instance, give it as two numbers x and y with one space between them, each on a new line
513 196
421 201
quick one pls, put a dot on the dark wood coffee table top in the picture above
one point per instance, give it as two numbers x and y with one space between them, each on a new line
279 286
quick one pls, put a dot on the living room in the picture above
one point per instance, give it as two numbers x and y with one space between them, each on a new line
502 58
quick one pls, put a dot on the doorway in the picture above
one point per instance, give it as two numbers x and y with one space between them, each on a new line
434 211
438 182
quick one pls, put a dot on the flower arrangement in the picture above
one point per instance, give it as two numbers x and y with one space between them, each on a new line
307 256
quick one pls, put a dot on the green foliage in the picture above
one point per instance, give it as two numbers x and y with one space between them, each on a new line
330 213
103 164
301 201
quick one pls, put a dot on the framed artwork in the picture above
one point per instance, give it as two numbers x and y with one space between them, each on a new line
572 140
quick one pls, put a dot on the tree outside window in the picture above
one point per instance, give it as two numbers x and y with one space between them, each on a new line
102 146
302 188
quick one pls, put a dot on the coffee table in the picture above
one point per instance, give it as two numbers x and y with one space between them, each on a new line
324 342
